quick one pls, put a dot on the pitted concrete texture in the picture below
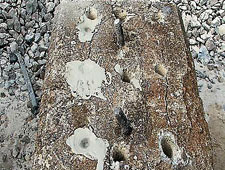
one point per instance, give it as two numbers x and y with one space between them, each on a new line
169 130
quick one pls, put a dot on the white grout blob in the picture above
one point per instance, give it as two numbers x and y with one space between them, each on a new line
85 78
86 27
84 142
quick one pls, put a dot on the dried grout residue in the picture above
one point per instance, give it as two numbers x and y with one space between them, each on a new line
170 150
84 142
157 14
118 69
85 78
87 24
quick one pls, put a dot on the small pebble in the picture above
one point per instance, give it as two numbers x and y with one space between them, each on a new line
50 6
29 37
23 88
13 47
210 44
203 55
209 86
12 58
220 79
222 29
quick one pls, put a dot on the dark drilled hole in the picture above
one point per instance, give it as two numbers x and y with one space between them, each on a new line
167 147
128 130
125 77
118 156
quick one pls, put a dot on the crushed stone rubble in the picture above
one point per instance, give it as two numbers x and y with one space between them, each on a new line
25 28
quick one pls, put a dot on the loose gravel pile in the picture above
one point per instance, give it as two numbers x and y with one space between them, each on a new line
25 28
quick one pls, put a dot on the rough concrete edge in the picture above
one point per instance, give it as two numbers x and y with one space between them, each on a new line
192 66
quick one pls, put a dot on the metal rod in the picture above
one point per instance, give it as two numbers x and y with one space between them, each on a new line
119 32
122 119
34 104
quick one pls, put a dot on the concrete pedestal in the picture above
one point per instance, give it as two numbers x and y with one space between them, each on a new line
151 80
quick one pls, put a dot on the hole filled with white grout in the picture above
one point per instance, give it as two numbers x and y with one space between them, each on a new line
87 25
84 142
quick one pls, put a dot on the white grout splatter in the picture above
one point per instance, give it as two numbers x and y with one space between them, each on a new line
87 27
84 142
85 78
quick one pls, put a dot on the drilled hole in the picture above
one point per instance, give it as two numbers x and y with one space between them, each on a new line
125 77
84 143
128 130
91 13
161 70
167 147
118 156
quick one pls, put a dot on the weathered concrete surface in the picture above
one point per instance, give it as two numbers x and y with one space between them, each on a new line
164 106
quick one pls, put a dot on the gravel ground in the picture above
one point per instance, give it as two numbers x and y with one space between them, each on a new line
25 27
